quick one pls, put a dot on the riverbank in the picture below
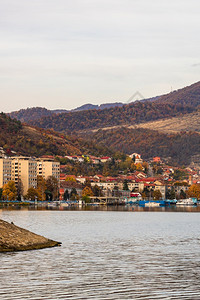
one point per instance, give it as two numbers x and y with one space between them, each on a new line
14 238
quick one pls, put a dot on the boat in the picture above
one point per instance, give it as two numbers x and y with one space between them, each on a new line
53 204
187 202
170 201
152 203
64 204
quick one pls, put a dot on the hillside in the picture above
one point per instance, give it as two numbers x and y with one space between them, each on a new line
180 147
189 96
35 113
27 140
175 104
101 106
127 114
189 122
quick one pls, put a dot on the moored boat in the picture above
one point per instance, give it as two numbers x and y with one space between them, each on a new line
152 203
187 202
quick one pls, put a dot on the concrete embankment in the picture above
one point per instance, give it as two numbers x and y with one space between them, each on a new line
14 238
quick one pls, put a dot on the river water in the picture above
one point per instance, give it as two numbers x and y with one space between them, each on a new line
105 255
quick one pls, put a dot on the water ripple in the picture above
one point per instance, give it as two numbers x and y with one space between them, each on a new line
105 255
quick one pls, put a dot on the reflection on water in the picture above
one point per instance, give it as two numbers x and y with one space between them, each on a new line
171 208
105 255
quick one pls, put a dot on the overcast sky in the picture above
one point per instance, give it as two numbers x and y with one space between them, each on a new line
65 53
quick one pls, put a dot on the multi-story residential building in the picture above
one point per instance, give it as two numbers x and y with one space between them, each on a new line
47 167
25 169
5 170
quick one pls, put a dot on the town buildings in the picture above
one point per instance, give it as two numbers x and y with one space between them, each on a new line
26 169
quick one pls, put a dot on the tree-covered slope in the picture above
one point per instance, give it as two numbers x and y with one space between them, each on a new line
188 96
178 103
179 146
27 140
128 114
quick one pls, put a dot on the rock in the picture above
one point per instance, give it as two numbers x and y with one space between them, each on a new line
14 238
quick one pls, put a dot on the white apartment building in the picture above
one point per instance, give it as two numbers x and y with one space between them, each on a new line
24 168
47 167
27 169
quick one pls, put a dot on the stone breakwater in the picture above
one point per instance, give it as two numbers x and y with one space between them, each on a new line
14 238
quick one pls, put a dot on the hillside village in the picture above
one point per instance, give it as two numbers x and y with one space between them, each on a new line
133 177
152 179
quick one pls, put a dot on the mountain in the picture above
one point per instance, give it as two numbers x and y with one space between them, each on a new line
175 104
179 147
31 141
35 113
189 96
128 114
101 106
167 126
86 107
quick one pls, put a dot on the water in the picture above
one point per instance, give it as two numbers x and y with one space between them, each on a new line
105 255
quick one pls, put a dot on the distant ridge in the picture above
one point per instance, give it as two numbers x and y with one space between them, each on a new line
35 113
101 106
174 104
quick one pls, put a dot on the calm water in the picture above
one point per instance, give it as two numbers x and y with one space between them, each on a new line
105 255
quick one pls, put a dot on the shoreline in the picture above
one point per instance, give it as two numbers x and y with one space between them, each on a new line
14 238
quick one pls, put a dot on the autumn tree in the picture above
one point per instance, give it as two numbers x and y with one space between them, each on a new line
194 191
125 185
146 193
73 194
157 195
52 186
86 194
115 192
41 188
9 191
32 194
182 194
66 195
145 166
20 189
87 183
170 194
97 190
139 167
70 178
87 191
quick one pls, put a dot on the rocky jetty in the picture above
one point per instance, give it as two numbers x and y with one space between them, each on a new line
14 238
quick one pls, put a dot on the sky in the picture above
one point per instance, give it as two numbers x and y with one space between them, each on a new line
64 53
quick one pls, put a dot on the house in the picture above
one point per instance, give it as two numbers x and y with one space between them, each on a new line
156 159
105 159
137 158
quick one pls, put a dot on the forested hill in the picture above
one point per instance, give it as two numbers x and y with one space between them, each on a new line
35 113
188 96
30 141
128 114
180 147
174 104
